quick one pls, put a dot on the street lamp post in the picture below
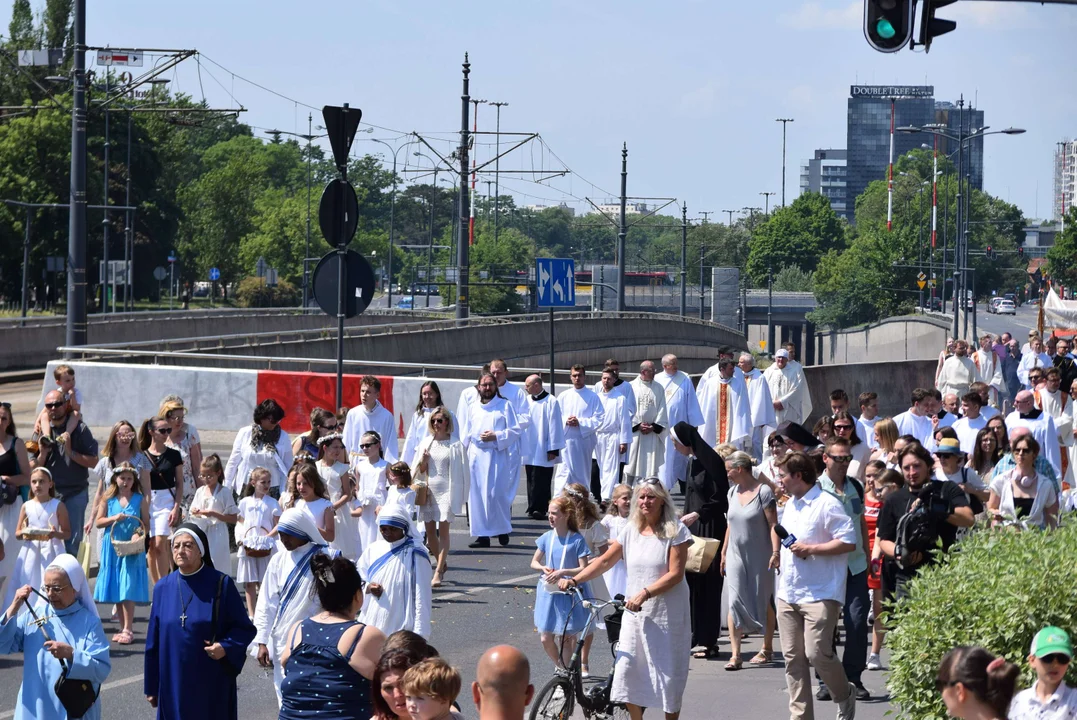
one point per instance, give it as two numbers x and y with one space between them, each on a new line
784 122
430 248
766 206
392 214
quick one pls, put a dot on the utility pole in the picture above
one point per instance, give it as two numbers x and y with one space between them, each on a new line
128 248
104 222
784 122
701 295
920 261
462 248
730 213
75 332
474 177
622 231
706 215
497 168
770 310
684 259
766 207
430 249
306 252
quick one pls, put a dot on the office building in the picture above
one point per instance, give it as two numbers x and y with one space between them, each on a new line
1065 178
868 133
825 173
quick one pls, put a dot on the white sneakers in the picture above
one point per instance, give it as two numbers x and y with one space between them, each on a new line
874 663
847 709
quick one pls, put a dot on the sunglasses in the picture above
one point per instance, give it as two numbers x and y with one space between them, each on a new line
438 421
334 426
841 458
5 405
163 430
364 446
1055 659
839 428
650 481
53 405
1022 451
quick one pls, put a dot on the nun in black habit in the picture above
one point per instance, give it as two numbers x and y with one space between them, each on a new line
705 505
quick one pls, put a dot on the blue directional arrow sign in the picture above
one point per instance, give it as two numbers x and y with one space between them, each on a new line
555 279
214 274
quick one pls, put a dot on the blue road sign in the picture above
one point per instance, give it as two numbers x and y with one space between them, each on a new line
556 282
214 274
171 257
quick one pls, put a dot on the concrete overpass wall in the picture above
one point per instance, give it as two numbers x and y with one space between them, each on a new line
900 338
892 380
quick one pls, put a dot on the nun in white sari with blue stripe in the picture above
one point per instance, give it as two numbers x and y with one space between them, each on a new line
396 570
285 597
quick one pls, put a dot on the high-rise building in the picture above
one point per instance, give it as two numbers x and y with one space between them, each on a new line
1065 177
871 109
825 173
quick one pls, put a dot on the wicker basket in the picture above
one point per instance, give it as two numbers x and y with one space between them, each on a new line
135 545
36 533
256 552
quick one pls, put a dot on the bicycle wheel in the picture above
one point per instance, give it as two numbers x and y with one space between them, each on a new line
554 701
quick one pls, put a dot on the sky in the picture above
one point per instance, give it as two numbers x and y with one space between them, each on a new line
692 86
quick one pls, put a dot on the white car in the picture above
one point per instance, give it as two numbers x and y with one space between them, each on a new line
992 306
1005 307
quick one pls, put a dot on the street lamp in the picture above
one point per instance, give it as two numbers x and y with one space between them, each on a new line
785 122
430 249
392 210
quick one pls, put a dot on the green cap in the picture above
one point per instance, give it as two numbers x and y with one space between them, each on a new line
1051 640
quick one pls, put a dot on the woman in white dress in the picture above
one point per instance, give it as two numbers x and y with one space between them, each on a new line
340 483
419 429
443 461
261 444
184 438
651 668
14 473
371 492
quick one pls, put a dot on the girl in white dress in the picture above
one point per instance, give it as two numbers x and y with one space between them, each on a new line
42 512
306 491
615 518
597 536
371 492
399 492
443 460
258 515
340 483
213 510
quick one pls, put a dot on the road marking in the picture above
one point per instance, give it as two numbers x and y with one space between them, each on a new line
484 588
107 686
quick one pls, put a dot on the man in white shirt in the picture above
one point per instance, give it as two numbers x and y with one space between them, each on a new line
613 437
869 415
648 451
760 402
958 372
543 445
582 413
811 587
987 411
971 422
371 416
681 406
1040 424
988 367
916 421
724 402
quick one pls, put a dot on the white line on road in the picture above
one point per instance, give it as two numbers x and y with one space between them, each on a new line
484 588
106 686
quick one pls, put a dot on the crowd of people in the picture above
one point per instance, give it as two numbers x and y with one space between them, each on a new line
341 535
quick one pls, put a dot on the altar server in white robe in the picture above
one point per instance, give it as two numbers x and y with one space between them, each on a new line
398 577
1059 405
583 415
517 397
989 368
492 428
620 387
649 426
727 416
681 406
760 402
958 372
916 421
614 435
787 388
542 448
1042 426
371 415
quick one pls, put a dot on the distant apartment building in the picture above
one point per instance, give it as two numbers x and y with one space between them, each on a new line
826 173
1065 177
612 208
563 207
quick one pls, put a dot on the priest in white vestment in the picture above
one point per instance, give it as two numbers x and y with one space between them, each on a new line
760 402
370 416
723 399
517 397
958 372
582 412
649 426
805 396
614 435
787 388
989 368
681 406
1041 425
492 429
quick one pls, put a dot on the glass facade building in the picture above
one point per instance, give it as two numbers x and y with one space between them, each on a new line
825 173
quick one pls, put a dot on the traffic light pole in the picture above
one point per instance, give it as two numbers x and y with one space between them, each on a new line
462 254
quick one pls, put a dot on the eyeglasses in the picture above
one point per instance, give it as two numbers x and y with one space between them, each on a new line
163 430
1055 659
53 405
54 589
206 476
1022 451
839 428
334 426
364 446
840 458
126 437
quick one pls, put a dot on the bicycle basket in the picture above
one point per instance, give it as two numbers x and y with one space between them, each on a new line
613 626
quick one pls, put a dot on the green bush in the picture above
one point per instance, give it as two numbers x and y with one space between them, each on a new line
996 589
253 292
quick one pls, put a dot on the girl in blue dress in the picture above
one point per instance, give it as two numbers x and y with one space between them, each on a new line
122 580
562 552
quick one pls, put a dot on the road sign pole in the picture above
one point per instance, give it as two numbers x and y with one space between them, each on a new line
552 360
172 282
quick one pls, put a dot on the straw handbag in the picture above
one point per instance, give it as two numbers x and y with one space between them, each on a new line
134 546
421 485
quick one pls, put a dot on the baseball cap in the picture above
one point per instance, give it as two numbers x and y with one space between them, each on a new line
948 446
1051 640
783 353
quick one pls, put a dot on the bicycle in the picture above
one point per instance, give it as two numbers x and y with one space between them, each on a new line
558 698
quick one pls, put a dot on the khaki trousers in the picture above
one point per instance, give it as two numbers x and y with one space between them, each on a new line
807 635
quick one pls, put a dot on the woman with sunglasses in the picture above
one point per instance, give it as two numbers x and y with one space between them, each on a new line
166 484
976 685
14 473
184 437
845 427
1023 495
443 460
120 448
322 423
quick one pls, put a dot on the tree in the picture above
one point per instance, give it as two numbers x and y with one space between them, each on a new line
1062 257
796 235
792 279
494 262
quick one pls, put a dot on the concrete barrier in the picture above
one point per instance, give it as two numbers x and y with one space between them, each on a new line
893 381
919 337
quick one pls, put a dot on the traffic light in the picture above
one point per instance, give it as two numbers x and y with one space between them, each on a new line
930 26
990 253
1020 251
888 24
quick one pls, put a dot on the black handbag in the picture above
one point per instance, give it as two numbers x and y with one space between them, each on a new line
77 696
225 664
8 493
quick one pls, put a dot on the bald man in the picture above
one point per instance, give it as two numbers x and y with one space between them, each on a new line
502 688
1040 424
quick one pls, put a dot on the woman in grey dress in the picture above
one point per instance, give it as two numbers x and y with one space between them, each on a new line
749 557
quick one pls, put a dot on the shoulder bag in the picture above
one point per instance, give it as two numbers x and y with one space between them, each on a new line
225 664
77 696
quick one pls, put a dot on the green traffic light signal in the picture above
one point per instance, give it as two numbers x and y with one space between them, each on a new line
885 29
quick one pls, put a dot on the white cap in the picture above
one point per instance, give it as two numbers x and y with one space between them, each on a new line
783 353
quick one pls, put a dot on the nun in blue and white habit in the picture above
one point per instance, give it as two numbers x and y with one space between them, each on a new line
396 570
285 597
191 661
72 623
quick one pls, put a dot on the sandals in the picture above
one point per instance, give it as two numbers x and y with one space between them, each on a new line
124 637
706 653
763 657
734 663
